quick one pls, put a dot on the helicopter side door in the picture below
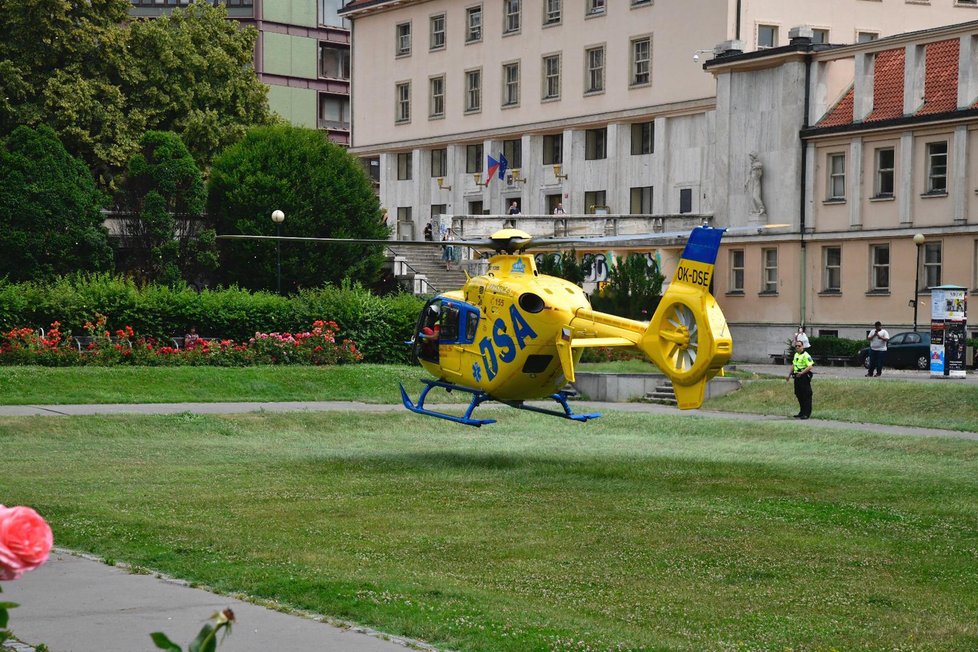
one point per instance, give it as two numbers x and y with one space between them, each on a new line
459 321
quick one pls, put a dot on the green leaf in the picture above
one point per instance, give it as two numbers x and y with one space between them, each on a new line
164 643
205 639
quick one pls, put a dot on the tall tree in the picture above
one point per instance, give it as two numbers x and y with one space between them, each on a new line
100 79
195 75
323 191
50 209
66 64
166 237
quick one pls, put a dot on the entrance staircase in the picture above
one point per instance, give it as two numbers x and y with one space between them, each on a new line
423 269
663 394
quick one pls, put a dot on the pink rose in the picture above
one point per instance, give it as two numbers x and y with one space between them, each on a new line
25 541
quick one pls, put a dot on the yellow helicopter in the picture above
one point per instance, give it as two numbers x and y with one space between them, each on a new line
513 335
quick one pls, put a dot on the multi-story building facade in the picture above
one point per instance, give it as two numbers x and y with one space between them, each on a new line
881 181
605 108
302 55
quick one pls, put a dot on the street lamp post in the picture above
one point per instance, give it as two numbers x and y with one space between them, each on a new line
918 240
278 217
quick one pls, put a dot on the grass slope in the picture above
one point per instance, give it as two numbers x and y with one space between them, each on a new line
629 532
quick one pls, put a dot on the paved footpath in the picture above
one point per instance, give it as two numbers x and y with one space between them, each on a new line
78 604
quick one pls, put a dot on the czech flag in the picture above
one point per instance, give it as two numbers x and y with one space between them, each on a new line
493 168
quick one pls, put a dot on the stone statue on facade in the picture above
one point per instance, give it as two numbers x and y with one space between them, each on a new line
753 185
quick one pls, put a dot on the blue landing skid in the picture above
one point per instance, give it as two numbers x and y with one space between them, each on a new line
479 397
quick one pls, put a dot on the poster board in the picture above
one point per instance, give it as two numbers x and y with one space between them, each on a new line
948 331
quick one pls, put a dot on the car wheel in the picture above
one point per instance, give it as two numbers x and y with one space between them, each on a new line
866 362
923 362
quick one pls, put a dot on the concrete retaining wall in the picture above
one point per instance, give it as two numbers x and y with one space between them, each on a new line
621 388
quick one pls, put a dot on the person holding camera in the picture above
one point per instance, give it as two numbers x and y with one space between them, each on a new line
802 337
801 371
877 349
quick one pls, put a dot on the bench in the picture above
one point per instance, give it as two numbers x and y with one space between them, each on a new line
778 358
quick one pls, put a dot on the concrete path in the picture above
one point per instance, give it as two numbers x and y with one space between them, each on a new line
77 604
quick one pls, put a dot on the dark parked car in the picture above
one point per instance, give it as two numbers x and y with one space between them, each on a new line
904 350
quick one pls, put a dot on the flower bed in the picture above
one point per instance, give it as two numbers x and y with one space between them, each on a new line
24 346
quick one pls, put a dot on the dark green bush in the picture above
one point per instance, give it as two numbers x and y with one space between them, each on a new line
379 325
836 347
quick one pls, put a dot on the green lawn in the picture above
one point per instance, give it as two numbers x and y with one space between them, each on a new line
629 532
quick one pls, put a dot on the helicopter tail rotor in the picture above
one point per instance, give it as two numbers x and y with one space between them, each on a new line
688 338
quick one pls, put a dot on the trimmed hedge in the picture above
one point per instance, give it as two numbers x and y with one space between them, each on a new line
379 325
836 347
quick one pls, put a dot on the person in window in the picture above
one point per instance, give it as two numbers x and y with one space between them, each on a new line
559 210
514 208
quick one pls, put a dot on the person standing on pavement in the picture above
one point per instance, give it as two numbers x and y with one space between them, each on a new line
801 371
877 349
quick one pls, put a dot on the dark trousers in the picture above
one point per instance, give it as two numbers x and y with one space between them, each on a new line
803 392
876 361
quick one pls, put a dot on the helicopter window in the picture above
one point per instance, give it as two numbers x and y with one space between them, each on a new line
429 332
449 323
471 325
536 364
531 303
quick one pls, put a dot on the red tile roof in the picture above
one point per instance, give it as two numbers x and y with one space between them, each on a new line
940 86
887 86
941 83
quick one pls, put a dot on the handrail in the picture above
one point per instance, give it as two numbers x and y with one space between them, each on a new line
431 287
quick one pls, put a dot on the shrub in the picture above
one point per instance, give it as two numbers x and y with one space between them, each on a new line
379 325
836 347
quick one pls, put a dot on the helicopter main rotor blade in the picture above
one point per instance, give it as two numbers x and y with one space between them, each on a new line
641 238
480 244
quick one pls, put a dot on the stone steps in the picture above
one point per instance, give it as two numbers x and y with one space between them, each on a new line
428 261
663 394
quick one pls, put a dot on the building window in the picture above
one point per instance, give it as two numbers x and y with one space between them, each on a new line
736 270
403 213
511 16
685 200
436 97
643 138
767 36
596 144
473 24
334 111
334 62
511 84
439 162
641 61
932 264
769 272
473 91
513 151
640 202
641 3
553 149
403 109
437 32
879 256
404 166
594 78
837 177
866 37
473 158
438 209
551 12
937 168
832 266
594 200
595 7
403 39
884 172
551 77
820 36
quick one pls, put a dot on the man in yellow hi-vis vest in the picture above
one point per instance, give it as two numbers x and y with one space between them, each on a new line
801 371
